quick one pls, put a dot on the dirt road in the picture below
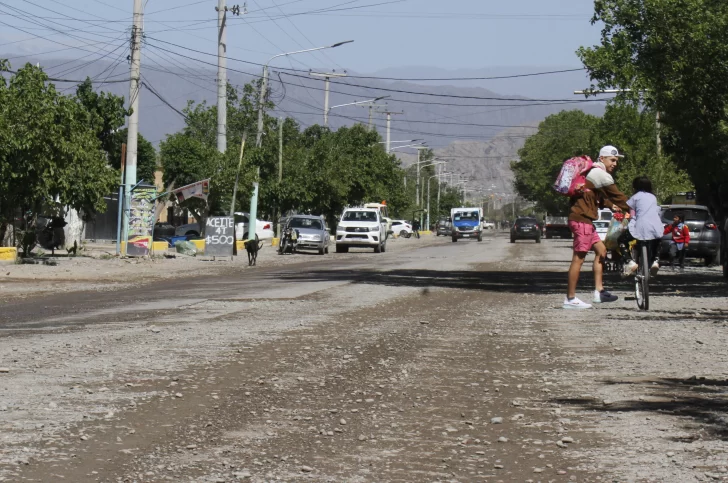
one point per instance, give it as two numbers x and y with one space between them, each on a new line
432 362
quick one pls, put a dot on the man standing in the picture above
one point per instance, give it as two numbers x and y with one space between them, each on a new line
600 190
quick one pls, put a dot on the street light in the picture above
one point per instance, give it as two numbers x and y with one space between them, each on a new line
428 195
370 102
264 83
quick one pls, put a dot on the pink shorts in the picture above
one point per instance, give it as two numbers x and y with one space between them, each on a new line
585 236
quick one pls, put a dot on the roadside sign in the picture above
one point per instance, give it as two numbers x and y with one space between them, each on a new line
219 236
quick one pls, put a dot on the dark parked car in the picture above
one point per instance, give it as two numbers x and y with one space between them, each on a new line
444 227
704 233
526 228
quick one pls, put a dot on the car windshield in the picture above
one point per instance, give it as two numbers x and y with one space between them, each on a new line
466 216
241 219
306 223
360 216
605 215
691 214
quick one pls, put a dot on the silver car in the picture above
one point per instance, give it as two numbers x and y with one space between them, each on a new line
312 233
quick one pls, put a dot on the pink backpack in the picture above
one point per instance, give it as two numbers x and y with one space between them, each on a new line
572 176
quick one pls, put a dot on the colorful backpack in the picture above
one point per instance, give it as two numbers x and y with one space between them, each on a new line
572 177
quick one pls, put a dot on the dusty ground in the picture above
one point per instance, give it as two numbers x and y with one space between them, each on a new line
432 362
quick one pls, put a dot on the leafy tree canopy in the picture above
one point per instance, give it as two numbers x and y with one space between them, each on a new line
573 133
673 55
50 155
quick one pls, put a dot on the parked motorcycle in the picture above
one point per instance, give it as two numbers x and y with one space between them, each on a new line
289 241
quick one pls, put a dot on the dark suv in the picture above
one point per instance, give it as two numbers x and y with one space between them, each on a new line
704 233
526 228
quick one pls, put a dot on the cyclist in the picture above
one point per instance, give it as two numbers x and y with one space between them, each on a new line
645 224
601 190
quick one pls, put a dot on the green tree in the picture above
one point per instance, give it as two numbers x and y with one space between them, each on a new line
50 156
673 56
559 137
572 133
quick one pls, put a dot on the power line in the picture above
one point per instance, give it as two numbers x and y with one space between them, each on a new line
76 81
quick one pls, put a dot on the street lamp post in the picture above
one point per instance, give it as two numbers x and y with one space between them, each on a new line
327 109
264 83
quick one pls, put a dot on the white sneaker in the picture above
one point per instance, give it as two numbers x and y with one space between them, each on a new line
575 303
630 268
655 268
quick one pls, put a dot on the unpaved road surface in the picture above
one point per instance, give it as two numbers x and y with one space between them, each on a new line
432 362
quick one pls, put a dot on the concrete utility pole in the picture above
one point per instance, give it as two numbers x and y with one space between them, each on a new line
221 76
389 114
133 131
280 174
327 76
417 187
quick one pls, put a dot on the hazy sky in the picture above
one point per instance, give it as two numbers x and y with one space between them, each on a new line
452 34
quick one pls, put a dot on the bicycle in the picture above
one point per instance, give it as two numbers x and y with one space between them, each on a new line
641 253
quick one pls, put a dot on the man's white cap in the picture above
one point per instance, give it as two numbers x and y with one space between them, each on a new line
609 152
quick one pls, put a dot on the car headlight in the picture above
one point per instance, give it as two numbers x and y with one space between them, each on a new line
373 228
316 237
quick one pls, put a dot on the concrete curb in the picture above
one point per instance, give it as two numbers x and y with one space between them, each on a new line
8 255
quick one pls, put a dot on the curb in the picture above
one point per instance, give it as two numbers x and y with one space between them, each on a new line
8 254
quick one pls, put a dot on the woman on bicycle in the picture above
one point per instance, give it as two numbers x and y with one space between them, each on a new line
645 224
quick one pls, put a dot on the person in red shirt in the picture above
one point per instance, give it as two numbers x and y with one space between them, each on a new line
680 240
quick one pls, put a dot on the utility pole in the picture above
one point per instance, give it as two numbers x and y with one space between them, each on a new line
280 175
389 123
133 131
417 187
261 102
221 76
327 76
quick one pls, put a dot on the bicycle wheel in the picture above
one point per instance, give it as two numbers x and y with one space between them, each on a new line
642 280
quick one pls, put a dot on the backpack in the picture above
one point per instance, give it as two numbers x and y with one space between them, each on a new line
572 177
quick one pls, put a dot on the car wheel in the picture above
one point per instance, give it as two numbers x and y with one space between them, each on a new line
454 239
342 249
326 250
538 239
322 251
378 249
403 233
480 237
513 240
709 260
384 247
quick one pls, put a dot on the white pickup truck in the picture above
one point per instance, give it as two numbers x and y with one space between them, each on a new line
361 228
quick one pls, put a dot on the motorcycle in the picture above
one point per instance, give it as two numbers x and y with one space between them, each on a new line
289 241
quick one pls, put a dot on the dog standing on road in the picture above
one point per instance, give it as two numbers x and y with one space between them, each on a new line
252 247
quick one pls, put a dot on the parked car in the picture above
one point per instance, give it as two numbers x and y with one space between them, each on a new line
526 228
602 224
402 228
444 227
312 233
361 228
263 230
488 225
704 233
556 226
